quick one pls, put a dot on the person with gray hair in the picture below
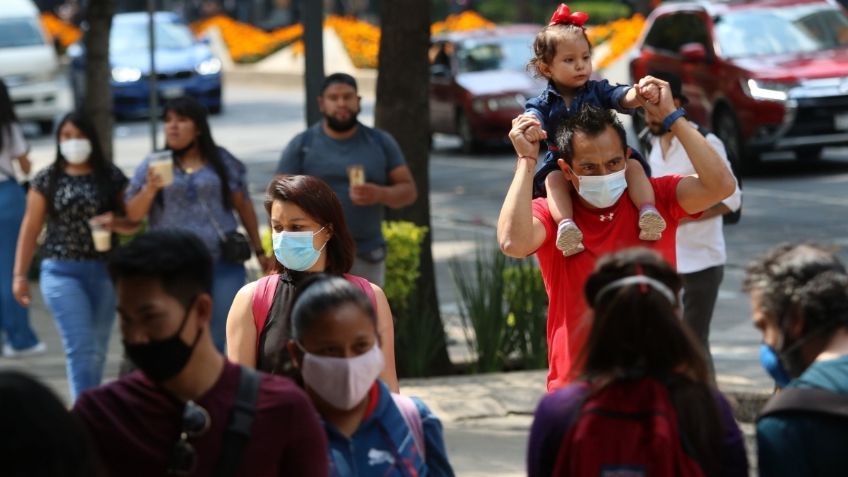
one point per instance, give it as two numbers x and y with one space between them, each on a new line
799 298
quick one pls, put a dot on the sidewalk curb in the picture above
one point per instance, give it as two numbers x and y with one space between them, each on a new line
481 396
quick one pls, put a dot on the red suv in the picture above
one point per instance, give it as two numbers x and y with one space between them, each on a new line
763 75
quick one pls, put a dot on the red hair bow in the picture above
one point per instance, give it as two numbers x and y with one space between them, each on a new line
563 16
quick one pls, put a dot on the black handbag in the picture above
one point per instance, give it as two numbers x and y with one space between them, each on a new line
235 247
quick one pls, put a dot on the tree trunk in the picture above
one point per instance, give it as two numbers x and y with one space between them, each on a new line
403 110
98 97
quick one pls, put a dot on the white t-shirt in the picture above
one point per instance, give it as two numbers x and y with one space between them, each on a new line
14 146
700 244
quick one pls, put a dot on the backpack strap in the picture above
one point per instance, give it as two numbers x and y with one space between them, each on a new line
305 144
365 286
263 298
412 417
814 400
241 421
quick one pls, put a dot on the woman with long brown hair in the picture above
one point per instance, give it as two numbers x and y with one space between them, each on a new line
310 235
644 380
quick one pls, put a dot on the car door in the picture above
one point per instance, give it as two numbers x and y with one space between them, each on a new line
661 51
699 70
442 78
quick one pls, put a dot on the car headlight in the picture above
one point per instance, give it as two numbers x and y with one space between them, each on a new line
767 90
512 101
122 74
498 103
478 105
209 67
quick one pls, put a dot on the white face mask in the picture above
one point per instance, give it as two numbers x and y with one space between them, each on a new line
342 382
75 151
602 191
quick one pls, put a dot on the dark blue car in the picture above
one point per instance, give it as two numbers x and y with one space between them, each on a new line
184 65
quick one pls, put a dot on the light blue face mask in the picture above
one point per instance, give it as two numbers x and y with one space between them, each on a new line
602 191
295 250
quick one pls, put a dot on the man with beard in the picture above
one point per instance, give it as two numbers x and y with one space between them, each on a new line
189 411
799 299
700 242
340 150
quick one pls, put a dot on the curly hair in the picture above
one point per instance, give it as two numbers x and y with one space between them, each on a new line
805 279
546 42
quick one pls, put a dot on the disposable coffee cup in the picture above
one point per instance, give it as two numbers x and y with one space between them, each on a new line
101 236
162 164
356 174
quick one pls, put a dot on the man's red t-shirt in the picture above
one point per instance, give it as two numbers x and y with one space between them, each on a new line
604 231
134 425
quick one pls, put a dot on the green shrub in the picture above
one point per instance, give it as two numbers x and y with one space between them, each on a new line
267 243
483 308
527 303
601 12
403 260
416 341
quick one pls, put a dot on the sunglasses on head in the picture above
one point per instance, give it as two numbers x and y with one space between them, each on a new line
183 458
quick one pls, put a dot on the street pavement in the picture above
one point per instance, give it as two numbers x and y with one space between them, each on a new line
486 417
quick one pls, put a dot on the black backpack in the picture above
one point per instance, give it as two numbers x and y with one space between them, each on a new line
811 400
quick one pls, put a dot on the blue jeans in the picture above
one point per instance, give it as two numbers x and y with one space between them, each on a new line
81 298
14 319
228 279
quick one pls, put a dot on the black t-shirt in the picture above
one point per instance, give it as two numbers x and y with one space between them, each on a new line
76 200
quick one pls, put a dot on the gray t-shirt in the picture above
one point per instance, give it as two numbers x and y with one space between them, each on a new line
314 153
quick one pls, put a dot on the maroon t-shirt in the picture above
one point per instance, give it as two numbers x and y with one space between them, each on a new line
134 425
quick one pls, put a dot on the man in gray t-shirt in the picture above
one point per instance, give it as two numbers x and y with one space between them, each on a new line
329 148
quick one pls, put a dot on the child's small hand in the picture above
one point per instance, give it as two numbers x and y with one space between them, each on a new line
650 92
535 133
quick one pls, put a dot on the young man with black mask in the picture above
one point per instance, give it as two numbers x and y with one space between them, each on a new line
187 410
364 166
799 298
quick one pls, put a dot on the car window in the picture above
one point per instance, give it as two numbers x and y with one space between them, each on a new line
15 32
506 53
134 36
781 31
670 32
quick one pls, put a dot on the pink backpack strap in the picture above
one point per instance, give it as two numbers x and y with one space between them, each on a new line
412 418
365 286
263 297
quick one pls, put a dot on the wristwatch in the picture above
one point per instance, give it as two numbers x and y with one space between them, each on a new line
671 118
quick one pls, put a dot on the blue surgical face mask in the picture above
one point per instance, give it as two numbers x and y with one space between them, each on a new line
295 249
770 361
602 191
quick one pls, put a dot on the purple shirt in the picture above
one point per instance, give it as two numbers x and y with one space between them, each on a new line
558 409
134 426
194 201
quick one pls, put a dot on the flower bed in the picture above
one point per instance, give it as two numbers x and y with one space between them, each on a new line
247 43
620 35
361 39
466 20
66 33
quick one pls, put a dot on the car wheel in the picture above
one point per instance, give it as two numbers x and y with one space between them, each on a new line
463 128
808 153
727 129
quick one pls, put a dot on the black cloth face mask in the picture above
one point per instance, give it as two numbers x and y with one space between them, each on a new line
161 360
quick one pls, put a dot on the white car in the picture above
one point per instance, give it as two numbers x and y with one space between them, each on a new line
29 66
